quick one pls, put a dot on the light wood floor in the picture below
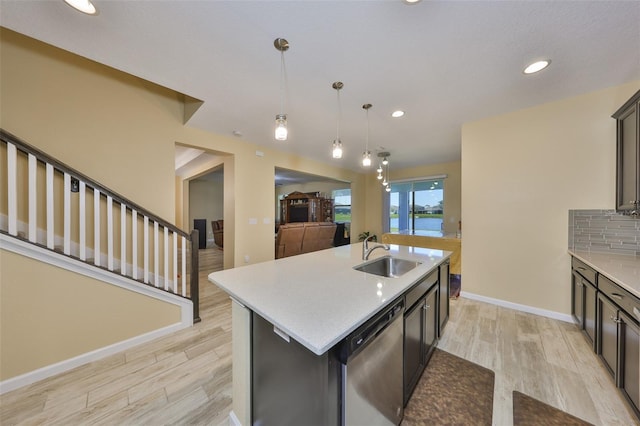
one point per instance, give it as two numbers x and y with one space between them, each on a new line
547 359
185 378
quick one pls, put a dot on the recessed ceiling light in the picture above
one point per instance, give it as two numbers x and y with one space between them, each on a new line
537 66
84 6
411 1
398 113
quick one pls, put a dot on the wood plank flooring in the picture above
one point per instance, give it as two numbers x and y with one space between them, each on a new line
185 378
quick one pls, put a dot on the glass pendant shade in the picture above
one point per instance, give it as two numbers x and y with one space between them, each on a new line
379 176
281 127
388 188
84 6
337 149
366 159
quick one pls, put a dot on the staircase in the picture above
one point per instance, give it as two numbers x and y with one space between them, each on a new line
53 213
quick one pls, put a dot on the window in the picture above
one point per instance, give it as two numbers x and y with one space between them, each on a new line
416 207
342 205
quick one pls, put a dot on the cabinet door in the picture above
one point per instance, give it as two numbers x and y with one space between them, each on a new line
413 348
443 290
628 184
430 321
590 312
607 334
630 360
577 299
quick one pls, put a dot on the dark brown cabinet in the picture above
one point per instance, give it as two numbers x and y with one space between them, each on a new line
421 325
628 155
444 291
630 351
583 297
618 332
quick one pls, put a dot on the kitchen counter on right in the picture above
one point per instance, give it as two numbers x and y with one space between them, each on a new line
623 270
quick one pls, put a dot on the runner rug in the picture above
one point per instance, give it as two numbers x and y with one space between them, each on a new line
452 391
528 411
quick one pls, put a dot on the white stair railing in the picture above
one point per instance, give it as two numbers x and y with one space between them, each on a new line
50 204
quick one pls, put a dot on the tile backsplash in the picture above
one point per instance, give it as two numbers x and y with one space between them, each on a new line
604 231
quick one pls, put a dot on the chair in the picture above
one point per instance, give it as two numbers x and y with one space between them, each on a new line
218 232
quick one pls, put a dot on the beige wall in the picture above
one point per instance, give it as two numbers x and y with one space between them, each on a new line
521 173
206 200
452 185
48 314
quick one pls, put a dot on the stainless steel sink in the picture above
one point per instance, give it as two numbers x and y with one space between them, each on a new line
387 266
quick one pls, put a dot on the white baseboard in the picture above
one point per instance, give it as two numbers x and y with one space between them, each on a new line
233 419
518 307
47 256
66 365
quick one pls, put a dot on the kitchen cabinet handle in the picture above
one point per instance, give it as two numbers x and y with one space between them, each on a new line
616 320
581 268
425 307
617 296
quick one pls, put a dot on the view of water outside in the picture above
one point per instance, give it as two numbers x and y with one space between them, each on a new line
424 207
342 205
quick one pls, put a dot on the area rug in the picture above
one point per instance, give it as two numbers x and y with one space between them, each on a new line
451 391
528 411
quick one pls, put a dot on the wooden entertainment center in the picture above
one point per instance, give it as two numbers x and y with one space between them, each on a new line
305 207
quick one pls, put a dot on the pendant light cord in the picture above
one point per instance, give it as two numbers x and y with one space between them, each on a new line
366 146
283 72
339 115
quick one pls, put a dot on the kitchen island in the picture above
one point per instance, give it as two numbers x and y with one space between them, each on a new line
313 300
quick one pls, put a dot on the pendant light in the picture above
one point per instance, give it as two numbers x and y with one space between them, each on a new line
366 155
385 162
281 132
337 143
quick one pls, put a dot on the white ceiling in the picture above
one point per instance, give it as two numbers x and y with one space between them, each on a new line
444 62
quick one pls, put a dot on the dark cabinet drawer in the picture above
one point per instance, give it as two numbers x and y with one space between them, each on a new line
620 296
584 270
420 289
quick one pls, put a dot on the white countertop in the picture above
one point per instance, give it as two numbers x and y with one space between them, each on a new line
318 298
621 269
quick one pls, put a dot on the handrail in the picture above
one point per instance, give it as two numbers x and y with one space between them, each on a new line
130 211
8 137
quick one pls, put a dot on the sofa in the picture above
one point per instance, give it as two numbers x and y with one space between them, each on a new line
303 237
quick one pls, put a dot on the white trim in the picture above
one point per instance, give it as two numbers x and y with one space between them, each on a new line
33 218
134 244
233 419
518 307
123 239
156 262
50 205
109 233
82 222
12 188
66 227
66 365
69 263
47 256
96 227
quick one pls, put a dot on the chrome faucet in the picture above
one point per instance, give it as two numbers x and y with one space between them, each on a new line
366 251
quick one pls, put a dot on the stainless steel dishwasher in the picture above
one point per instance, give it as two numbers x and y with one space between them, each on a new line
371 359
